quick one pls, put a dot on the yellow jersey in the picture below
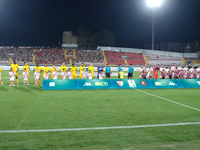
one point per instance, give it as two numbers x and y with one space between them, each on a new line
45 69
63 67
38 68
81 68
52 70
121 75
73 69
26 67
15 67
0 71
91 68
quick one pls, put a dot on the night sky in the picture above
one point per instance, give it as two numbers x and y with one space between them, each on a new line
41 22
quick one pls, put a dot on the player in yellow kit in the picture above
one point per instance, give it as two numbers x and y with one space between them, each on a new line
1 81
73 69
15 68
63 68
39 69
80 71
27 69
91 68
52 70
45 69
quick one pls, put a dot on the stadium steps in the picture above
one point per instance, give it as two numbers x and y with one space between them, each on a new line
70 61
183 60
126 62
65 53
104 57
74 54
33 59
145 59
10 60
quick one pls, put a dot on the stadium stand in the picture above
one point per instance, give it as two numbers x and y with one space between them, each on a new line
104 55
19 54
165 60
116 58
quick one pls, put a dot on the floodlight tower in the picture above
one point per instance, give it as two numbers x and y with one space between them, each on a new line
153 4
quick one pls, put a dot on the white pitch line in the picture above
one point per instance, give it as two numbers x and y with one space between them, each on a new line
168 100
100 128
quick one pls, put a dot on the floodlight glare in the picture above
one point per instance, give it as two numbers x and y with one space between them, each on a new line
154 3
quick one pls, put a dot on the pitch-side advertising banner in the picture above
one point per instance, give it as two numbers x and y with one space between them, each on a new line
119 84
190 83
168 84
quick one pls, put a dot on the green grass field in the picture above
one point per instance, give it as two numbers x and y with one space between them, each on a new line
31 108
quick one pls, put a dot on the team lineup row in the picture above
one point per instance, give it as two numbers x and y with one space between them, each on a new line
144 72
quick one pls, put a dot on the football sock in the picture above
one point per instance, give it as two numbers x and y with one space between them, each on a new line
17 81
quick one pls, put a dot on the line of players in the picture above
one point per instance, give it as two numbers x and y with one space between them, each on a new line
172 72
53 71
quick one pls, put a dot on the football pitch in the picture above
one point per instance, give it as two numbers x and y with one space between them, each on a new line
32 119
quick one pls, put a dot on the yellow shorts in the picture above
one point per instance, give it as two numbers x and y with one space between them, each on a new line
16 74
74 76
80 75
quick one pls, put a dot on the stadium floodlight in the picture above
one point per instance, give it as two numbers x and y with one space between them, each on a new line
153 4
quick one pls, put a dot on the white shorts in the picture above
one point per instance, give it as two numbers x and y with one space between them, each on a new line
12 79
140 76
198 76
173 74
160 76
37 78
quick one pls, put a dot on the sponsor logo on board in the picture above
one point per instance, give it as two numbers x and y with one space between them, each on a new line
52 83
160 83
143 83
101 83
120 83
87 84
172 83
131 83
198 82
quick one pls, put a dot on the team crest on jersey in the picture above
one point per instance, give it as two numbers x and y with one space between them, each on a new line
120 83
198 82
143 83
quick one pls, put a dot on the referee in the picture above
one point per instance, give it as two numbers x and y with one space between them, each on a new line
130 71
108 71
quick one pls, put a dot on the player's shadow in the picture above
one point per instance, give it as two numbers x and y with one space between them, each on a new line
36 88
24 89
2 88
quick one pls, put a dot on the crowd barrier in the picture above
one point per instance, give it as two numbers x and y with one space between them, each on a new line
120 84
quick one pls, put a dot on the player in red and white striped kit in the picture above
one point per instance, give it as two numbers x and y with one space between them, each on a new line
12 77
141 71
198 72
90 75
63 74
185 71
192 71
173 68
148 70
46 75
36 76
70 74
167 71
180 67
162 69
25 76
55 74
83 73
